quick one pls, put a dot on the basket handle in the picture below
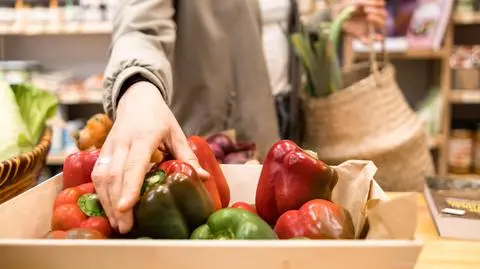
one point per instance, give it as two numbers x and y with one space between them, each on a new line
374 67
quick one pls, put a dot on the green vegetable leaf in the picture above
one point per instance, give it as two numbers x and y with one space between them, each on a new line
316 46
36 107
11 125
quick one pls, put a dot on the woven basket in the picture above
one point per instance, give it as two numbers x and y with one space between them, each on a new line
20 173
370 119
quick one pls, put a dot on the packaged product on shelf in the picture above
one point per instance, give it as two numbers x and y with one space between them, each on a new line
21 14
467 6
111 6
54 16
54 81
37 16
91 11
94 82
460 150
71 12
17 72
70 129
465 63
57 126
7 13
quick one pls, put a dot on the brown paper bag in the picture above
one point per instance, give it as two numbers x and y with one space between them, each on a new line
359 193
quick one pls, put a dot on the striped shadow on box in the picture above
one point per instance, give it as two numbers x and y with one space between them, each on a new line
20 173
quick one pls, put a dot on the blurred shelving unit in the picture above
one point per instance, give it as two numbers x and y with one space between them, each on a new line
79 47
458 96
92 98
57 29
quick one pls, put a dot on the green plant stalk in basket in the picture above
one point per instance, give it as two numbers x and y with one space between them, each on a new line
317 52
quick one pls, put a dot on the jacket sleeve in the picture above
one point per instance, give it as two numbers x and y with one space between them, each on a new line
142 44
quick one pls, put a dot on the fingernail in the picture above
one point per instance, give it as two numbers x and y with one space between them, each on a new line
121 227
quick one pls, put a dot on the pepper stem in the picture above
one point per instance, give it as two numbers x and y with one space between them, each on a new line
90 205
224 235
153 180
311 153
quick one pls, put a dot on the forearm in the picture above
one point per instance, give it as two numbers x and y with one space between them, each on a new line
141 48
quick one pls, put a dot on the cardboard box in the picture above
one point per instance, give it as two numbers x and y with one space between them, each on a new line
28 216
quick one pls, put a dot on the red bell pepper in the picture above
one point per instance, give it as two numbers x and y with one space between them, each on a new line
316 219
289 178
245 206
217 184
77 168
79 207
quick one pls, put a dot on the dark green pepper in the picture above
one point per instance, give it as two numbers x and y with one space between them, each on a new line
234 223
174 202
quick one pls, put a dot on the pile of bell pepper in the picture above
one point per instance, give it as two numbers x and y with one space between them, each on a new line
292 200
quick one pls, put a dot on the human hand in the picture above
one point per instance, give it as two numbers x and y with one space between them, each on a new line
367 12
143 124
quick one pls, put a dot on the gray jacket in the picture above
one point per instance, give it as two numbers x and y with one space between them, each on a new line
206 58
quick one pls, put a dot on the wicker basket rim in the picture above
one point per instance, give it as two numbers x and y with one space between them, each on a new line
44 142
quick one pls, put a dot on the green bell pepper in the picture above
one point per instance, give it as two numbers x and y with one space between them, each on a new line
174 202
234 223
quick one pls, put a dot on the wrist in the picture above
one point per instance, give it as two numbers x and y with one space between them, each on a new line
133 82
142 93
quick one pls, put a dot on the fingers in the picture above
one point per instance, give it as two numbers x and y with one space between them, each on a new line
135 168
379 37
101 181
181 150
376 14
115 174
375 11
365 40
377 17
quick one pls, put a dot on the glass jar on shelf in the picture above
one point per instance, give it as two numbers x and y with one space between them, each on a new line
460 151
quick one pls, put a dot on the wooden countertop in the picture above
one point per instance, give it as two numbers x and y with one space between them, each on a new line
440 253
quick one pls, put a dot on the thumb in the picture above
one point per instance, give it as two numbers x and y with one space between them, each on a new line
182 152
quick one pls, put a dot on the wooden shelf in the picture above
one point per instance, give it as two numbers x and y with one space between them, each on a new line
411 54
94 98
57 29
466 17
465 96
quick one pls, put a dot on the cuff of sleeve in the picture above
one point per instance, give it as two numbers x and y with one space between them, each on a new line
128 73
127 84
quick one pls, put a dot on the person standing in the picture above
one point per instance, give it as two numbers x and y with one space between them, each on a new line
178 68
